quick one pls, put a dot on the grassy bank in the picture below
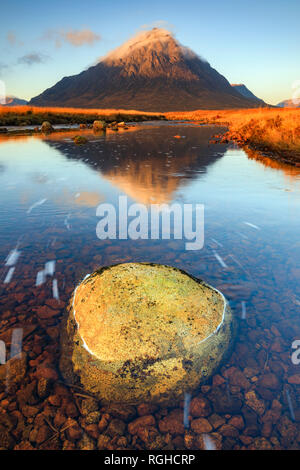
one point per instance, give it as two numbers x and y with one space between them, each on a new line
275 132
35 116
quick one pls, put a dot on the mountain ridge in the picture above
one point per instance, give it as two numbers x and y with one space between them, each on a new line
289 103
150 72
11 100
243 90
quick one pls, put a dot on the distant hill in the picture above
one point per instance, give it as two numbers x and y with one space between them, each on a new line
150 72
289 104
13 101
244 91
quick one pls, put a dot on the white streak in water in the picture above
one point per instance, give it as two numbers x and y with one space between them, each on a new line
240 265
242 235
186 410
9 275
2 352
55 289
49 268
66 221
16 343
40 278
288 397
12 257
36 204
208 442
217 243
252 225
244 312
221 261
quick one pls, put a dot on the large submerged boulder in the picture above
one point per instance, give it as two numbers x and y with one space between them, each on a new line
141 332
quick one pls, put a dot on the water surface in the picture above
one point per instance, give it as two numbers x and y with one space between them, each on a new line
49 191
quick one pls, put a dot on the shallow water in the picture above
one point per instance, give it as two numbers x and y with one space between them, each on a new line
49 191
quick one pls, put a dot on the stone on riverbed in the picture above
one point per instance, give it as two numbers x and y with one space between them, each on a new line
99 126
46 127
139 332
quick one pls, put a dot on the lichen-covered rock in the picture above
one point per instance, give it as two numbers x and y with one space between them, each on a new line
140 332
79 140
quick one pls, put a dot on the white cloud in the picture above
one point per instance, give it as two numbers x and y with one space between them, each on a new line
76 38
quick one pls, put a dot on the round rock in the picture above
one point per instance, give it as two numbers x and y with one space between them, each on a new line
140 332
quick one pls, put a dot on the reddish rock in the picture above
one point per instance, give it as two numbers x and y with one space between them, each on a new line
271 416
55 304
266 430
228 431
29 411
201 425
237 378
74 432
247 440
218 380
255 403
68 445
261 443
200 407
103 442
143 421
53 332
92 430
276 346
116 427
102 425
46 372
237 422
24 445
45 312
172 423
70 409
294 379
43 434
54 400
59 419
216 421
146 409
269 381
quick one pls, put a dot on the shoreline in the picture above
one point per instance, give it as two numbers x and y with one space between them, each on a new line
274 133
283 156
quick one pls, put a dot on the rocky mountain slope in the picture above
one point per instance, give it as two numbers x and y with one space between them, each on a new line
150 72
244 91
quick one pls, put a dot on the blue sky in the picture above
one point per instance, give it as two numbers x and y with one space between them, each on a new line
252 42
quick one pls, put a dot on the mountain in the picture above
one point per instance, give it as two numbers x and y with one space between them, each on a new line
150 72
244 91
289 104
13 101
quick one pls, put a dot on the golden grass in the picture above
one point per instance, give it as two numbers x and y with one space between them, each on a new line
54 110
268 129
33 115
